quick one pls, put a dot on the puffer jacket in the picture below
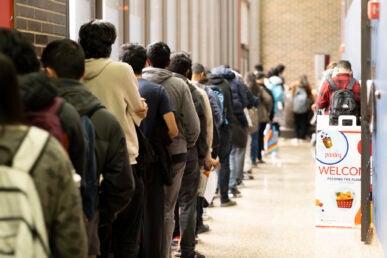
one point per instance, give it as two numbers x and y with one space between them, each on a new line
238 90
59 197
117 185
38 93
186 116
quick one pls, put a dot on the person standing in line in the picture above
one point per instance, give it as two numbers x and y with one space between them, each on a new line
185 209
302 101
115 85
64 62
221 85
265 114
159 127
158 54
61 207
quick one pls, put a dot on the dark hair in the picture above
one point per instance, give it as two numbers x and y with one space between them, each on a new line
158 54
180 63
135 55
198 68
251 84
280 68
258 67
304 83
11 107
344 64
21 51
260 75
65 57
97 37
272 71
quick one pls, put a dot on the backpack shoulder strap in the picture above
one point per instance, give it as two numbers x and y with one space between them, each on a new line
351 84
35 139
332 84
94 109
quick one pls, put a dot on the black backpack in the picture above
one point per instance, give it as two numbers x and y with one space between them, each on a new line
342 103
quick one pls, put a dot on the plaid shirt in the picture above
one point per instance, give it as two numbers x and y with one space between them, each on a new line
341 80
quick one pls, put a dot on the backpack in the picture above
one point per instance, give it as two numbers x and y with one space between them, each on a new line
22 226
300 101
343 102
48 120
89 182
220 96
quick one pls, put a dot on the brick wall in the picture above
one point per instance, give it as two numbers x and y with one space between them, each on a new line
41 20
293 31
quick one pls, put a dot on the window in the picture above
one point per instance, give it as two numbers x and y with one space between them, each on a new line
136 21
113 11
80 12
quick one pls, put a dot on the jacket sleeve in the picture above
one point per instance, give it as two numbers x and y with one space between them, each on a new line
242 93
322 100
117 186
71 125
67 234
189 117
201 143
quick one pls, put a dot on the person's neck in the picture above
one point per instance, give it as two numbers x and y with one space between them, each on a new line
138 76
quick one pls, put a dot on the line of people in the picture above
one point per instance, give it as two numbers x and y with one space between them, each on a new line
138 132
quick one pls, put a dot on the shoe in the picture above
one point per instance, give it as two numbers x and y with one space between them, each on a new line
235 193
249 171
198 255
177 253
261 161
247 176
175 242
202 229
206 216
211 205
228 203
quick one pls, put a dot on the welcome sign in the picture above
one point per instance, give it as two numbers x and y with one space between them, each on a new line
338 175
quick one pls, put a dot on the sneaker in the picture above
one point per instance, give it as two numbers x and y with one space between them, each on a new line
261 161
198 255
228 203
235 193
177 253
175 242
203 228
247 176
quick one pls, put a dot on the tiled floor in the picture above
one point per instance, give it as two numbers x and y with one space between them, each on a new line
275 216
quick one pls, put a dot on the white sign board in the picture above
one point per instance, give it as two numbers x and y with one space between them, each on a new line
338 174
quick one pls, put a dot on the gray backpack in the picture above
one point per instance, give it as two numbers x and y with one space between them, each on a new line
22 228
300 101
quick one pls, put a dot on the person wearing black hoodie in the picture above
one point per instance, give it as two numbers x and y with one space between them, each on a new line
217 82
63 60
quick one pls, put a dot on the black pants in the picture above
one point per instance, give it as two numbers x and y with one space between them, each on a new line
187 201
301 125
127 228
153 213
261 129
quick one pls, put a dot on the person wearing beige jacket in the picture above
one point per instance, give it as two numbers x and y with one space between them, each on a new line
116 86
114 83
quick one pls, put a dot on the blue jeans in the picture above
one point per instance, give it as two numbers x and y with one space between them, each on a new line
237 160
224 158
254 147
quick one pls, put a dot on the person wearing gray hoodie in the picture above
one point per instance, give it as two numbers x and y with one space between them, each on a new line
188 124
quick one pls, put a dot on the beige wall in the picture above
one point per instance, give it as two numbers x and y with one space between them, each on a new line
293 31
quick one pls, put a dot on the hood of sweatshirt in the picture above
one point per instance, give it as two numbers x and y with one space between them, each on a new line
36 90
215 79
156 75
227 73
95 66
275 80
76 94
